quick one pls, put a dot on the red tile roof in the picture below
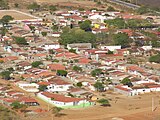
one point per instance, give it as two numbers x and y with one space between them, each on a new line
60 98
56 66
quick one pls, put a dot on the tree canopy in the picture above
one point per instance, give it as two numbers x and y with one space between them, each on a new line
62 72
36 64
121 39
126 81
4 4
155 58
5 75
77 36
86 25
34 6
99 86
77 68
20 40
117 22
104 102
6 19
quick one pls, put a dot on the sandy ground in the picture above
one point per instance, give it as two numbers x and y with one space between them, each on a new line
15 15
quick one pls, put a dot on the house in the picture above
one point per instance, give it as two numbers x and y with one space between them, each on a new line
57 84
29 87
24 65
55 67
78 46
28 101
56 34
63 101
48 46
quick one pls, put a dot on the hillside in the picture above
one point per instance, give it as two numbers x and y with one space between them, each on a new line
153 3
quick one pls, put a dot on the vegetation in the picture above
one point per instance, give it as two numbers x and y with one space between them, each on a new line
99 86
52 8
44 34
36 64
34 6
77 36
117 22
155 58
143 10
79 84
56 111
4 4
104 102
77 68
20 40
42 87
6 19
121 39
18 106
6 114
126 81
86 25
62 73
5 75
110 8
96 72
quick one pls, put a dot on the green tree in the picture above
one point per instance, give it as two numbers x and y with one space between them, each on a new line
121 39
18 106
86 25
155 58
77 36
79 84
36 64
6 19
143 10
77 68
44 34
5 75
96 72
110 8
103 102
126 81
99 86
52 8
62 73
4 4
34 6
3 31
117 22
42 87
72 50
20 40
16 5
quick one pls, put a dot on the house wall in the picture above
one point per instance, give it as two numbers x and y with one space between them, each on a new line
58 103
53 87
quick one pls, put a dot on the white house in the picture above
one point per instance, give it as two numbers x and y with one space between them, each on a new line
57 85
111 48
29 87
61 100
48 46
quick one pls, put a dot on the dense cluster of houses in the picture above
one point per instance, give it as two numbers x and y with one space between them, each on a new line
62 90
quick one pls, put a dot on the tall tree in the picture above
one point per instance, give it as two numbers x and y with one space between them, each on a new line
121 39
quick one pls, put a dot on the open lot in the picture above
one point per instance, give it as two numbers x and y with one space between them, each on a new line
17 15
